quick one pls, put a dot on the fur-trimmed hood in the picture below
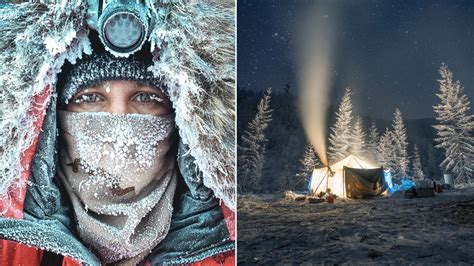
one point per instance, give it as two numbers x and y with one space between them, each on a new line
193 47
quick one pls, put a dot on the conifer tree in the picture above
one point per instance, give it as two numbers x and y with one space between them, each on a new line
400 153
252 149
358 146
373 141
455 128
417 169
340 137
309 162
385 150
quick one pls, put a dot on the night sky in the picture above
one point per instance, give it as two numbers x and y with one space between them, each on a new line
388 52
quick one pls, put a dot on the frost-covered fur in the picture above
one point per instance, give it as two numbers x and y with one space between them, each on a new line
28 62
193 45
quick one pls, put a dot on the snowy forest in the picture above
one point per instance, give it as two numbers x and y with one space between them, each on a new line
274 153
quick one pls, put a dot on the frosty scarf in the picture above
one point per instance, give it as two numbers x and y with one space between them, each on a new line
119 171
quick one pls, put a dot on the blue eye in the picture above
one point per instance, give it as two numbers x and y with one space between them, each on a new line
148 98
88 98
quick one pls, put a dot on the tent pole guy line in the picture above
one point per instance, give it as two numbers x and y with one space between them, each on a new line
325 176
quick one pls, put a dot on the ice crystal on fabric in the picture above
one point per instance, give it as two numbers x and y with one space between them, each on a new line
119 171
29 63
120 142
206 122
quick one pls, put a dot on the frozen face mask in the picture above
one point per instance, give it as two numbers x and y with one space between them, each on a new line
119 171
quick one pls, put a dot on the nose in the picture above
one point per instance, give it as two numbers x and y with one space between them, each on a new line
118 106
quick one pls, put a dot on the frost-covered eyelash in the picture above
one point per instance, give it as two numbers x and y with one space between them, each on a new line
153 97
80 99
157 98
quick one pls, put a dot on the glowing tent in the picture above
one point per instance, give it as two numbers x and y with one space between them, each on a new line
352 177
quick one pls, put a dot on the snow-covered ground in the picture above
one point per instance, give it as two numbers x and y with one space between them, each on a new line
436 230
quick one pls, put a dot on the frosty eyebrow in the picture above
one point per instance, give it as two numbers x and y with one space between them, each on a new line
144 85
89 89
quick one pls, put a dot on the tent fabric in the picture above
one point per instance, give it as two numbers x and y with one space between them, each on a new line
363 183
323 179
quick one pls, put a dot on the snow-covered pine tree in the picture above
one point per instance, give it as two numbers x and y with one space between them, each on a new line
417 169
400 153
252 148
373 141
309 162
455 128
340 137
385 150
358 146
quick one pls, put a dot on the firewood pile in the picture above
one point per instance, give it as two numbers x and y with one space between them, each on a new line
292 196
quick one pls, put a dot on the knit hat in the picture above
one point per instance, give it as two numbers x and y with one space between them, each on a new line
98 67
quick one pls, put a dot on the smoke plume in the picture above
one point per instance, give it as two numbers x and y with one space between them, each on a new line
315 47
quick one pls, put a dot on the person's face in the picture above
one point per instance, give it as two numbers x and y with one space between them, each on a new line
121 97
